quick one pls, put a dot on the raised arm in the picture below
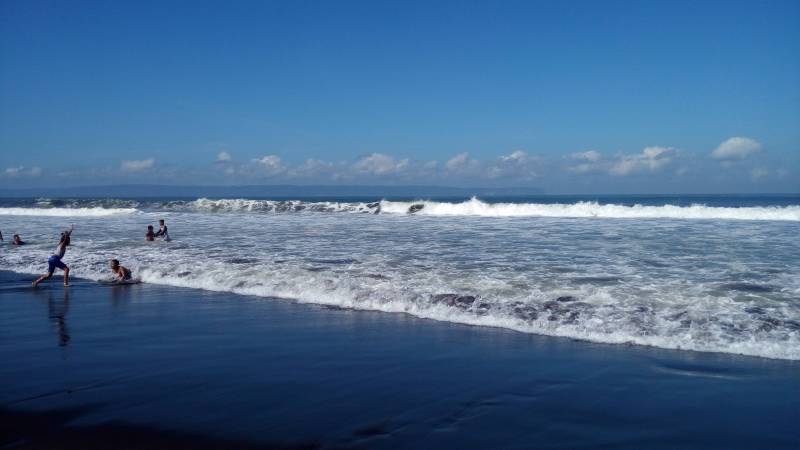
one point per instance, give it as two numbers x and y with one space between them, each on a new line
71 228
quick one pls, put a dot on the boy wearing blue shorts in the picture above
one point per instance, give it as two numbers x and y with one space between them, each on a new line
55 260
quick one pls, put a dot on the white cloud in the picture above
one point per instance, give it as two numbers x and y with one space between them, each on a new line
271 165
758 172
22 171
518 165
650 159
515 156
380 164
312 167
457 162
461 164
138 165
736 148
514 167
588 161
14 171
591 155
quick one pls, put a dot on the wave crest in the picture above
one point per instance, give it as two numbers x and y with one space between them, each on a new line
277 206
473 207
66 212
476 207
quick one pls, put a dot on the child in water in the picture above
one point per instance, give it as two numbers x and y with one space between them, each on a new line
122 273
55 260
150 236
18 240
162 230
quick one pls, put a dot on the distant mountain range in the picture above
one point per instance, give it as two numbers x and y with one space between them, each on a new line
279 191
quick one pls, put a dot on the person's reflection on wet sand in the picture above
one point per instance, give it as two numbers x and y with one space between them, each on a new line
57 313
121 296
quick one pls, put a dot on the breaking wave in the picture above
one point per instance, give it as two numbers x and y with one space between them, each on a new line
476 207
66 212
588 314
277 206
473 207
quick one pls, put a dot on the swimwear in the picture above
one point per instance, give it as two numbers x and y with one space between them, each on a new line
53 262
163 233
126 275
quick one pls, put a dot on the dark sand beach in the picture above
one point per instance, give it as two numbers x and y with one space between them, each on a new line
148 366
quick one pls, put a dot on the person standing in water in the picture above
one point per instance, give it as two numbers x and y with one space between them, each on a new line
150 235
162 230
55 260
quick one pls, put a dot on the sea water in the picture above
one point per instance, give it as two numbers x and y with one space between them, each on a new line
717 274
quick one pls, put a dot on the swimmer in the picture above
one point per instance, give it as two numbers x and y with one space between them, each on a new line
150 236
162 230
55 260
122 273
18 240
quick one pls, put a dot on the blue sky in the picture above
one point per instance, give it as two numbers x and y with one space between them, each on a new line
567 96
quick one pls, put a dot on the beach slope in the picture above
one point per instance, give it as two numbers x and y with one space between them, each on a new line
146 366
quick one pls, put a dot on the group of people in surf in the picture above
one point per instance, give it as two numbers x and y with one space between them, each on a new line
162 232
121 273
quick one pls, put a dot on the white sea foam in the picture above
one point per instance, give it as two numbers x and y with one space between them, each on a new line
675 324
696 285
476 207
247 205
674 318
595 323
66 212
473 207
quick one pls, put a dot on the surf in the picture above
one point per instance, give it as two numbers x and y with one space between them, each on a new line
478 208
474 207
67 212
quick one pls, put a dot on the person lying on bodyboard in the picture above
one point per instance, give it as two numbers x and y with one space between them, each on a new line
121 273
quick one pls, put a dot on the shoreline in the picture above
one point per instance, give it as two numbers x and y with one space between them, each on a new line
225 368
464 319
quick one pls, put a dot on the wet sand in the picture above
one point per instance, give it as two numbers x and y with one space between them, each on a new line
147 366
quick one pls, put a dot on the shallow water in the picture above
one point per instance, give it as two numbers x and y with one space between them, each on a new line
170 367
671 273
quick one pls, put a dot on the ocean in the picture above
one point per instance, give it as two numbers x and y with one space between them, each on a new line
694 273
